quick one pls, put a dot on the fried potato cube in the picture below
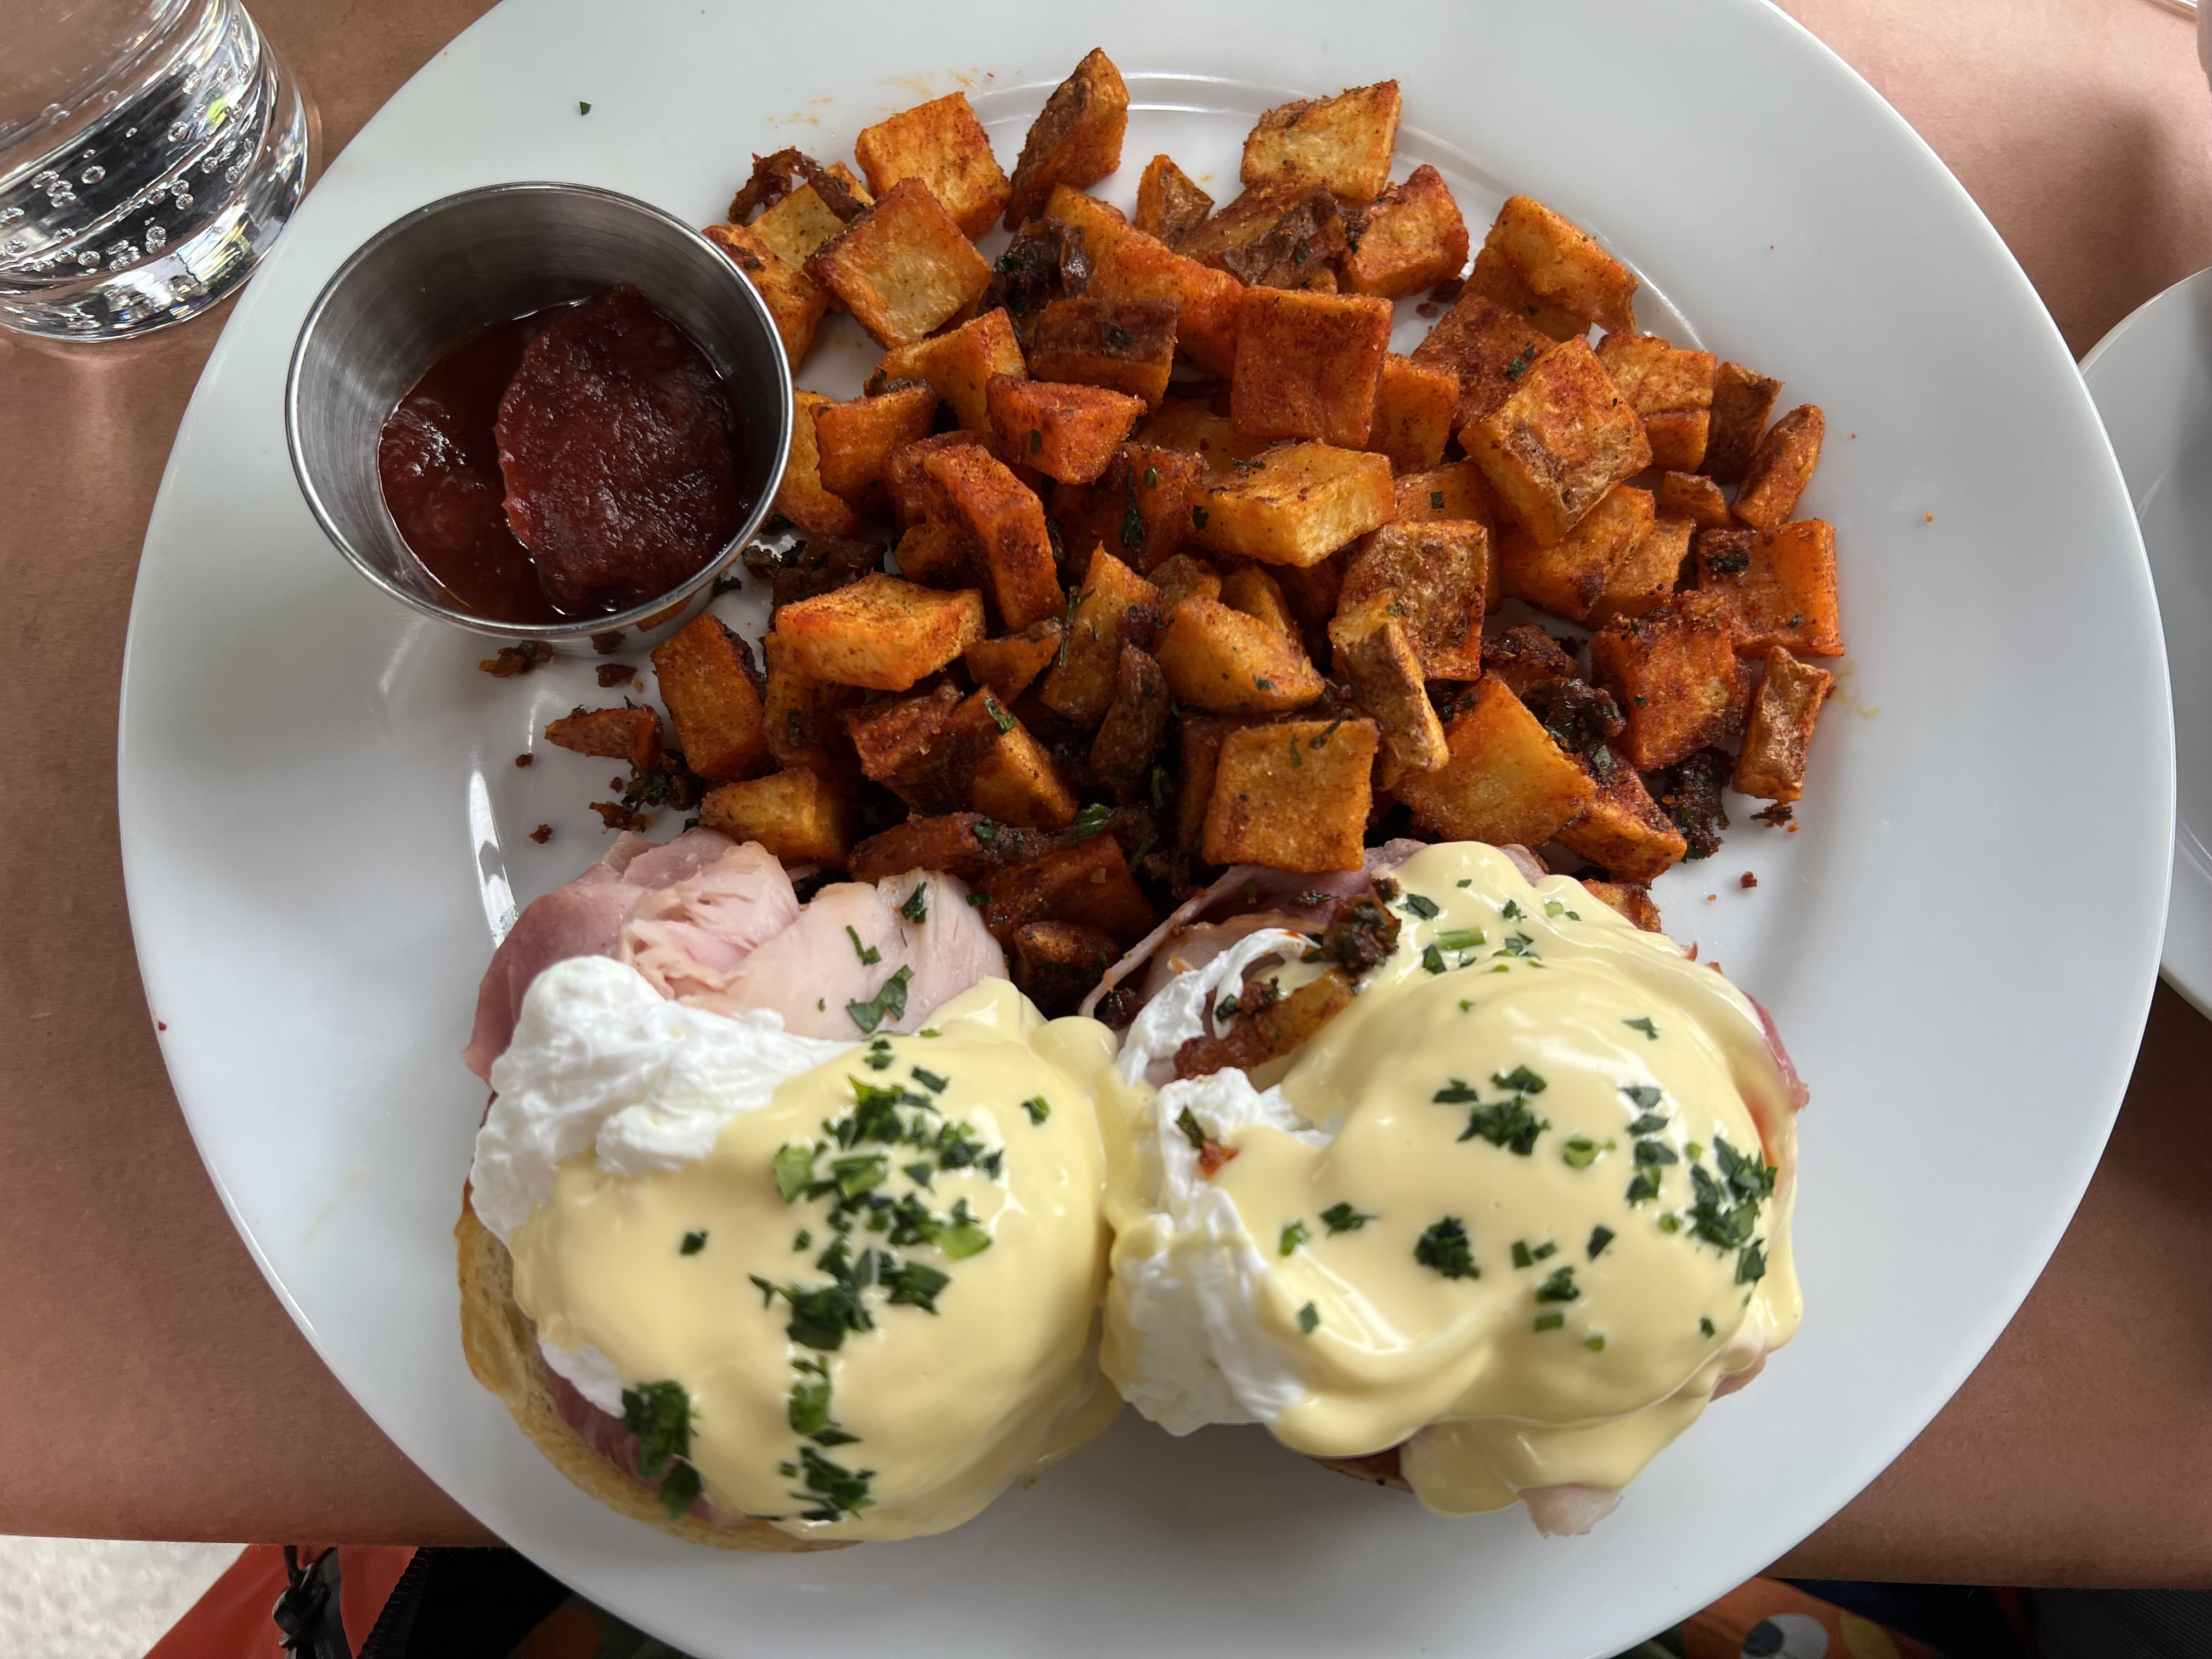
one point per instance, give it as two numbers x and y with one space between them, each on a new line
1628 899
960 363
1292 796
713 696
1007 665
1271 1031
854 439
1624 831
1103 224
1524 657
1552 449
963 844
1298 507
1506 780
796 302
1140 507
1487 347
881 632
1076 139
1114 607
1782 468
797 226
1014 779
1283 236
1456 489
1646 573
801 718
1435 575
1193 429
1783 714
1411 239
903 267
1226 662
1414 410
1089 882
1671 390
1066 432
1674 673
1135 727
1696 497
910 746
944 145
1208 302
1007 521
1169 205
1495 278
623 734
1056 963
941 556
1254 590
1308 365
1563 264
1343 143
1781 585
798 816
1569 577
912 496
800 497
1182 577
1741 403
1371 651
1127 345
1200 737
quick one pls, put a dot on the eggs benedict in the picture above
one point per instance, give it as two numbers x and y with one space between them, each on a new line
1513 1211
768 1288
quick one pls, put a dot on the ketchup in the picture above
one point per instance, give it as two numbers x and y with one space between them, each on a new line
566 465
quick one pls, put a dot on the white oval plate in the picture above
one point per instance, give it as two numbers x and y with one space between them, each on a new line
2152 380
323 829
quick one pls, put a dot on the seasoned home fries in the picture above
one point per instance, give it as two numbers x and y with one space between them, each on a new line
1142 553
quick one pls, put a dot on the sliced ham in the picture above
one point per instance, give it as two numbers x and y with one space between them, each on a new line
1297 902
812 971
689 935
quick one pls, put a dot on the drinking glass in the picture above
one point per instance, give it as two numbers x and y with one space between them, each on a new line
150 151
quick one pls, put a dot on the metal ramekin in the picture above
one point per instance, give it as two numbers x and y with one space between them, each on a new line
456 265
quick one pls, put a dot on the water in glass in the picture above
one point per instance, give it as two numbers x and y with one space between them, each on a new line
150 150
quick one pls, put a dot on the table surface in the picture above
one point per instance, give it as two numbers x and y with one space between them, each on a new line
154 1387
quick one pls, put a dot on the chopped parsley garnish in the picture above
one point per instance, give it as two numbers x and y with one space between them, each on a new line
868 954
1198 517
1595 1342
1553 908
801 1239
1525 1257
1421 906
1520 1080
1308 1317
1036 442
1580 1152
1038 1108
889 1003
1599 1238
987 831
1437 505
1462 938
1704 1327
1750 1265
692 1244
1090 821
915 1285
794 1172
1517 945
1151 478
916 907
1548 1321
583 108
1292 1237
1650 1124
931 1081
1559 1287
835 1491
1507 1123
1655 1151
1432 959
1512 910
1446 1248
999 717
1343 1218
1646 1185
1643 1025
1133 520
1725 1211
1643 1095
1193 1130
1519 366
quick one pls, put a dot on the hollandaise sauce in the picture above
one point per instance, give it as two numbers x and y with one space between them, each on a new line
1518 1210
870 1307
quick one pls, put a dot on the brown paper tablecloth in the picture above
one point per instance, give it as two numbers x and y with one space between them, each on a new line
152 1386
